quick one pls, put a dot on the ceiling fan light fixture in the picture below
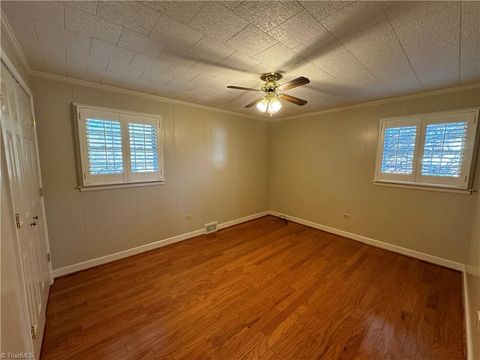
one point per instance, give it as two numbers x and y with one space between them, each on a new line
269 104
274 105
263 105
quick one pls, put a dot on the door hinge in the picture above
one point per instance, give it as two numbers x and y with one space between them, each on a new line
49 257
33 332
42 193
17 220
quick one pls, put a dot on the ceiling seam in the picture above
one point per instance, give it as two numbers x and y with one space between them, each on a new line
288 47
324 29
347 3
121 34
460 43
268 31
360 62
403 49
64 17
194 16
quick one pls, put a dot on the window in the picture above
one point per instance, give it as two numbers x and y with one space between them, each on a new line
118 147
428 150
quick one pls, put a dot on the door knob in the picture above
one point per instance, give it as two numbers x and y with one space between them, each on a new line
33 224
35 218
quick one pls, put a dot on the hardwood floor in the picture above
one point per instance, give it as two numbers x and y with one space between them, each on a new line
259 290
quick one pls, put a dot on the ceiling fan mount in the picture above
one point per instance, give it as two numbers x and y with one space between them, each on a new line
270 102
271 77
271 85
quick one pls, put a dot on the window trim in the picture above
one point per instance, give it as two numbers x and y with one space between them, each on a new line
128 178
416 179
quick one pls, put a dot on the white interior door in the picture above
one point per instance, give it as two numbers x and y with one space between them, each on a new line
18 131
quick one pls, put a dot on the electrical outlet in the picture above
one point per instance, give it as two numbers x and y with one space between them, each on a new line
347 217
188 217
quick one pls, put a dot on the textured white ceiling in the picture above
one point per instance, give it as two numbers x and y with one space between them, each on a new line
191 50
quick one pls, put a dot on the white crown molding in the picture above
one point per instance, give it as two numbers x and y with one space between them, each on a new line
138 93
7 29
385 101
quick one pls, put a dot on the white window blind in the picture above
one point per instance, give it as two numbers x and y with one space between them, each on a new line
428 150
118 147
399 148
143 147
444 148
104 146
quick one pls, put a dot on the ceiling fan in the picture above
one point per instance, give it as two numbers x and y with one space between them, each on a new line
270 102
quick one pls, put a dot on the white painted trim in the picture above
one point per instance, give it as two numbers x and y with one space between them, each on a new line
420 186
140 249
466 304
242 220
123 254
79 106
377 243
120 186
137 93
13 40
11 67
384 101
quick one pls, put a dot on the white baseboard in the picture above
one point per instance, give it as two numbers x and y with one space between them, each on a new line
140 249
377 243
466 304
242 220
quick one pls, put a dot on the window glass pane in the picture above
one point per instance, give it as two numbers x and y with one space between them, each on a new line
444 148
398 150
104 146
143 148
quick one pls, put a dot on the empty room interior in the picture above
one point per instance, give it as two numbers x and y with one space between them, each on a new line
240 180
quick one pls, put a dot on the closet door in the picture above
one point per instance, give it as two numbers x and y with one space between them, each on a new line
18 131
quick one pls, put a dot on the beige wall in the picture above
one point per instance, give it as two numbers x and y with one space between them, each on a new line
322 167
216 168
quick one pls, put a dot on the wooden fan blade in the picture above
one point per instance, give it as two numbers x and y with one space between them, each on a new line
295 83
255 102
241 88
293 99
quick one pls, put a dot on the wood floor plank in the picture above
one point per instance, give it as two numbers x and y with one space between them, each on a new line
259 290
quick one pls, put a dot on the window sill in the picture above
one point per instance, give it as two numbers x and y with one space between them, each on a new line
119 186
427 187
